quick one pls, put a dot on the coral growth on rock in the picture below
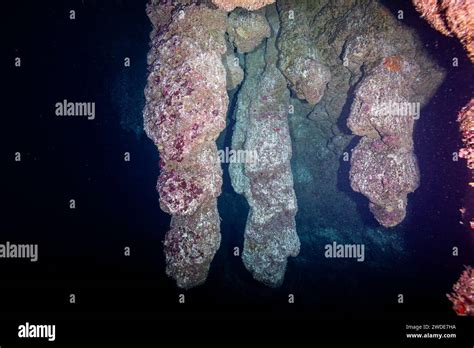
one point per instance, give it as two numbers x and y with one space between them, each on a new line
186 105
451 17
466 120
191 243
456 17
383 165
463 295
262 126
327 58
385 175
388 69
393 63
250 5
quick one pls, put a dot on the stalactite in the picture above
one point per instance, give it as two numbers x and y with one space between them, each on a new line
267 183
186 105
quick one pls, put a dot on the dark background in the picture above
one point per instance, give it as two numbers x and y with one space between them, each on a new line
81 250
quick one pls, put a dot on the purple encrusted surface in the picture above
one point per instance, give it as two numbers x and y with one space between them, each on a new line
186 105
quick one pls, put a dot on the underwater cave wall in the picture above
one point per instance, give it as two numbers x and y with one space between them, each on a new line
456 18
342 68
376 67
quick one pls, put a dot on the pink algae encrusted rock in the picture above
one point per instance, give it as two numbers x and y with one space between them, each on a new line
193 183
456 17
250 5
385 175
383 165
451 17
466 120
462 296
186 105
190 245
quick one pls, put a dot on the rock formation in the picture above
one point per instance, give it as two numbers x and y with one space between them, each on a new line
186 105
466 126
383 165
267 183
357 47
452 18
332 60
251 5
299 59
234 73
466 121
462 296
247 29
456 18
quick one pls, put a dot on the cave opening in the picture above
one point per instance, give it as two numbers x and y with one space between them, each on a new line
320 218
303 79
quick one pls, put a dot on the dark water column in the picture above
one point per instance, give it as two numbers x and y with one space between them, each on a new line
456 19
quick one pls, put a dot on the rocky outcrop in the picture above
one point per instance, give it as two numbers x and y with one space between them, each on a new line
388 99
362 46
466 121
186 105
299 60
462 296
466 125
383 165
452 18
331 60
456 18
247 29
234 72
251 5
267 183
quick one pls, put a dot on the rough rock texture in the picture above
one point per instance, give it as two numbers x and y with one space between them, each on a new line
348 38
186 104
299 59
383 165
191 243
451 17
247 29
250 5
463 294
466 120
385 175
340 59
262 126
234 72
352 39
456 17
